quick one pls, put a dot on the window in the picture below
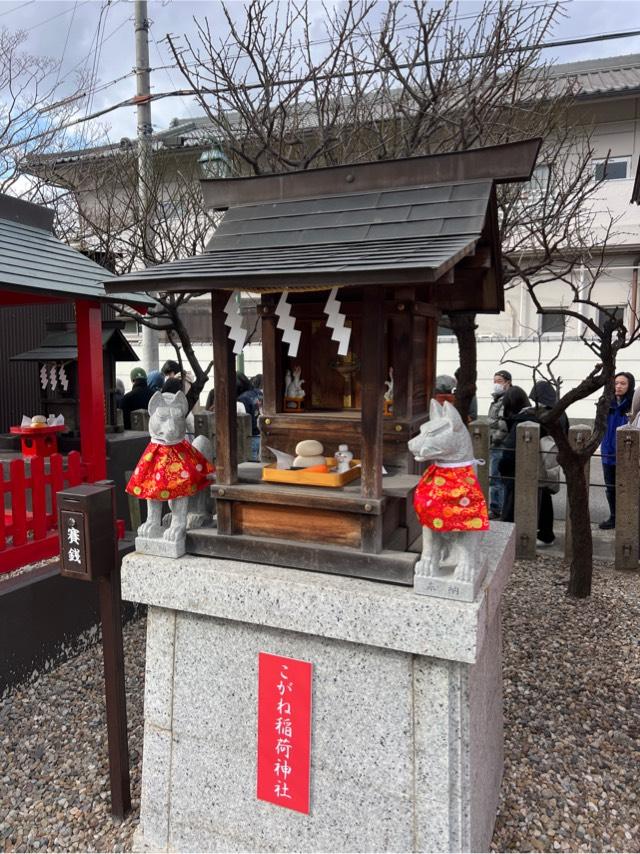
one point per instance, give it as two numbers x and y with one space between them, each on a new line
613 169
554 322
537 185
607 311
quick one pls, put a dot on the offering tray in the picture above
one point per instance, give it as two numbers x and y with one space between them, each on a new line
302 477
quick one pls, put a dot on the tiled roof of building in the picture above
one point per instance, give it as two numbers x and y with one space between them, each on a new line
594 77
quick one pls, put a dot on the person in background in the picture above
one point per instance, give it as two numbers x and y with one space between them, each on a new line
544 397
119 393
497 435
251 398
444 387
473 405
137 398
619 411
514 401
170 369
155 381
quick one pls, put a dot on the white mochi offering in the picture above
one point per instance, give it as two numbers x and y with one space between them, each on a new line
309 453
309 448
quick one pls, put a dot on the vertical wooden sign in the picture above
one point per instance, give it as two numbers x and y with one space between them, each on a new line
284 731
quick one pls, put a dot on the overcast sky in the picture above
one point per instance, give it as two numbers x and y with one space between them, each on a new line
66 30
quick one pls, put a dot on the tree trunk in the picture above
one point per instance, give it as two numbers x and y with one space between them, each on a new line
464 327
581 569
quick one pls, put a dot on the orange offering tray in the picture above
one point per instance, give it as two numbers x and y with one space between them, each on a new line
302 477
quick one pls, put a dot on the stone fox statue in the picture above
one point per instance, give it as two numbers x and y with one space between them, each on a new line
448 500
170 469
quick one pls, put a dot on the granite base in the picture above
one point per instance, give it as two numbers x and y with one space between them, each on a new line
159 547
407 707
445 585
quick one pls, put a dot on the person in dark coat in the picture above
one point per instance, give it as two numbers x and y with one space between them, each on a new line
137 398
619 411
251 398
544 398
514 401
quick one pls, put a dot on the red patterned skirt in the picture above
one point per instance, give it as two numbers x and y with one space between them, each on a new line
169 471
450 499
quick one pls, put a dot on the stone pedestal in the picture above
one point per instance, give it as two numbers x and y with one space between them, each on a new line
407 707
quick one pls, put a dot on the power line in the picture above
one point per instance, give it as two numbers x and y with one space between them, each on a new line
52 18
17 8
66 42
181 93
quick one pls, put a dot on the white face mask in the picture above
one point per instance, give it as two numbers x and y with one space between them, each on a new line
498 388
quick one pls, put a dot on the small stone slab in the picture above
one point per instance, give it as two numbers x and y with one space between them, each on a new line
160 547
445 586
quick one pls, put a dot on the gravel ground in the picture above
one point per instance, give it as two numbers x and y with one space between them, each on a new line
54 772
572 730
572 713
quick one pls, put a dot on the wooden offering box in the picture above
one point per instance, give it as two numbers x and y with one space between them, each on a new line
304 477
372 253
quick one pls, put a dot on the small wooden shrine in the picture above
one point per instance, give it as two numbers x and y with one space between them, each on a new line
59 380
353 266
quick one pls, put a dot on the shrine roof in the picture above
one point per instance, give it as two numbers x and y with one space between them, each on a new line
33 260
62 345
389 222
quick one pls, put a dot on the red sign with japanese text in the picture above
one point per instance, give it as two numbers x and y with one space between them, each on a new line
284 731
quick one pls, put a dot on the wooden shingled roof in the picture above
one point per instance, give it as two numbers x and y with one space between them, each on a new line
33 260
389 222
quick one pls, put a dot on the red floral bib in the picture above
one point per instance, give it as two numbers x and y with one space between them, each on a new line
450 499
169 471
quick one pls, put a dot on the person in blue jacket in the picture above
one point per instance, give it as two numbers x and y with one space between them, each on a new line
619 410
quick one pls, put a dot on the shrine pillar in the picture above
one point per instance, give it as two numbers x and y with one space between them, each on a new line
91 389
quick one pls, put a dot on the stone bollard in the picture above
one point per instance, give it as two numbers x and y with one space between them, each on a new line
140 420
526 489
205 425
479 431
627 519
579 435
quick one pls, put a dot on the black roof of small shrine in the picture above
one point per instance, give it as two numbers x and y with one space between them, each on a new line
62 345
389 222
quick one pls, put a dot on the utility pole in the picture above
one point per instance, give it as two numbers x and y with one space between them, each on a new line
145 163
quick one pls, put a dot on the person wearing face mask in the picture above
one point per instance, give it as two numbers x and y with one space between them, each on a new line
497 434
619 410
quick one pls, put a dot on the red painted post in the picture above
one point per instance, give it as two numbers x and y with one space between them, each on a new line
3 540
56 479
18 503
74 469
91 389
38 498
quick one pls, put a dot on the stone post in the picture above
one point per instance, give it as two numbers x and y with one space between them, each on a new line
479 431
579 435
627 519
140 420
526 489
205 425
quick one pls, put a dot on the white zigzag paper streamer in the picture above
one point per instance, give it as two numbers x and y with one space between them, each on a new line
44 377
335 322
64 379
53 377
290 335
234 321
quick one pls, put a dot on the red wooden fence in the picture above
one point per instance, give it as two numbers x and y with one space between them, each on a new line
30 535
